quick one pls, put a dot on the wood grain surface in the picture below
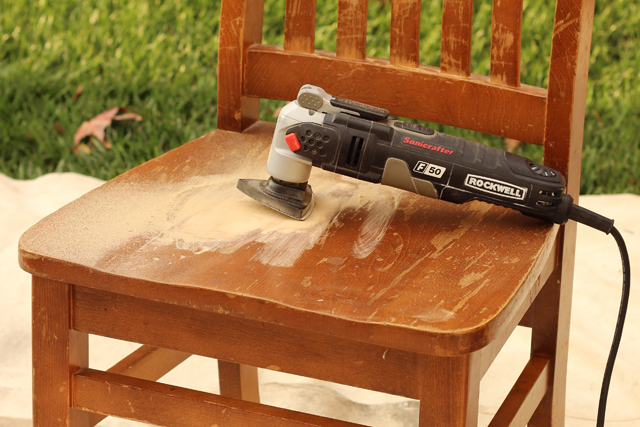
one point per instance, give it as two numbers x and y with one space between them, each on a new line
564 130
404 40
148 363
241 341
525 396
58 352
457 403
455 44
300 25
372 263
422 93
351 37
163 404
239 381
506 35
242 28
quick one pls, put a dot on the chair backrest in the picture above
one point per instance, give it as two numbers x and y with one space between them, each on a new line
497 104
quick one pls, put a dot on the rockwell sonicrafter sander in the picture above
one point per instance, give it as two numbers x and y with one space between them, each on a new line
364 142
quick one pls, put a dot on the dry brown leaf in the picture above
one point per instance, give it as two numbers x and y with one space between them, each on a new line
97 125
512 144
128 116
58 127
277 112
78 92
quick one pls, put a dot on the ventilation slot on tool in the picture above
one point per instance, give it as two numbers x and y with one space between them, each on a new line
355 150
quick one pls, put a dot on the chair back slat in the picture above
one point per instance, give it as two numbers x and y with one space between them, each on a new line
300 25
498 104
506 32
422 93
567 90
455 51
242 27
404 41
351 38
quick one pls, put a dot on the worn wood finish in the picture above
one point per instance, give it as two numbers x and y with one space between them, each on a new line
456 403
435 97
405 284
525 396
351 37
455 44
147 363
247 342
404 42
506 35
166 405
300 25
239 381
243 27
567 88
550 333
564 129
490 352
57 353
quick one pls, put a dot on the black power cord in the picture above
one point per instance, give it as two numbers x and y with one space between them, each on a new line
592 219
624 302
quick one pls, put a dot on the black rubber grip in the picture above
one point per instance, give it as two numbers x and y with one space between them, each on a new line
365 111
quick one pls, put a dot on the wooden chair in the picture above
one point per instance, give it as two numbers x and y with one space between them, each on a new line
397 293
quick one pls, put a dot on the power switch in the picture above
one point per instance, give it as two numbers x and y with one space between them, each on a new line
292 141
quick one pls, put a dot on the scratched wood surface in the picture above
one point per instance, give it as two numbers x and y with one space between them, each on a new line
351 37
300 25
506 32
455 44
175 229
242 27
239 340
57 353
163 404
404 41
422 93
564 128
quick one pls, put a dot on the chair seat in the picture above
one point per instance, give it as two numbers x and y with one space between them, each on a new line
371 263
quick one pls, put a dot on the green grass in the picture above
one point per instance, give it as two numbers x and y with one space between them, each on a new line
159 59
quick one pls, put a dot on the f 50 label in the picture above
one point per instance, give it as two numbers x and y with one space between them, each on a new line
429 169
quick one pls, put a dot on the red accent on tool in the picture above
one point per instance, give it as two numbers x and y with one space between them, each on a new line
292 141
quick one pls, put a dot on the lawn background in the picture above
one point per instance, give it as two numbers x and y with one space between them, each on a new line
159 59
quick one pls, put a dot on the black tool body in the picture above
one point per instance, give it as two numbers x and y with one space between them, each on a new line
421 160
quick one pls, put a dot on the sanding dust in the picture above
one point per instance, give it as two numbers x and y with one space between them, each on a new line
209 214
215 216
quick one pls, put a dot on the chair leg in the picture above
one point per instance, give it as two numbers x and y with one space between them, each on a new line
450 391
58 352
550 338
239 381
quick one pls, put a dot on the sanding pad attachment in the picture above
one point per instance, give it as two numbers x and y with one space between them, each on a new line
293 200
